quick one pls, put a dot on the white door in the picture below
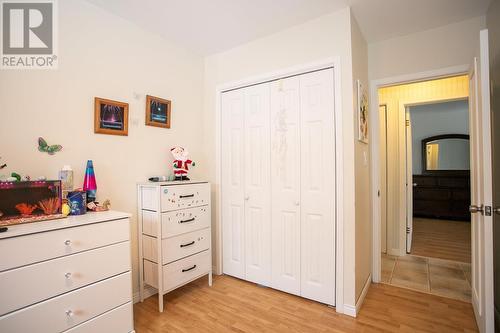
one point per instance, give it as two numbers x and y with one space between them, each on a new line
257 184
233 183
383 176
481 189
317 186
285 184
409 183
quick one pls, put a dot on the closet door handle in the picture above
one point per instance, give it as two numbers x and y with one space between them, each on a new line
188 269
186 221
187 244
186 196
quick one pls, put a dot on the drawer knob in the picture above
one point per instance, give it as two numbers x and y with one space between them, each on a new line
189 269
67 275
69 313
67 242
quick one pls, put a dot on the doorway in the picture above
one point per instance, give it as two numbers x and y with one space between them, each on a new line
425 224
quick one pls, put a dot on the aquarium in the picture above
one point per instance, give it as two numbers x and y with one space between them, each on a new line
30 201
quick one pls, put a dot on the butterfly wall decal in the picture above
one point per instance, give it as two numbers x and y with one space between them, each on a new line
45 148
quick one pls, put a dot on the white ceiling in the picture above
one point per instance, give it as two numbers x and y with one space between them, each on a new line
211 26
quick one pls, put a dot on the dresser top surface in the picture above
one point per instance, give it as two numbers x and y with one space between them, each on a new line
68 222
170 183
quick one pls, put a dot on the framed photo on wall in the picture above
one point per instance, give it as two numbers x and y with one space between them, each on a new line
158 112
362 113
110 117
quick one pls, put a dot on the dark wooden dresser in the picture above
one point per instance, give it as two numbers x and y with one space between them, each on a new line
441 196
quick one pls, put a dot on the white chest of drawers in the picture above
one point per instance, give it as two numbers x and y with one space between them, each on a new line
68 275
174 235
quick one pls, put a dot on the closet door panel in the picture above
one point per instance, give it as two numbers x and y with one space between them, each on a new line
257 184
285 184
317 186
233 183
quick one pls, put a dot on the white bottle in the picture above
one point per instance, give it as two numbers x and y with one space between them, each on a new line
66 178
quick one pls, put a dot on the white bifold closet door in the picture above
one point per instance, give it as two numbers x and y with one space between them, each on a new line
246 184
317 184
257 185
233 183
285 184
278 173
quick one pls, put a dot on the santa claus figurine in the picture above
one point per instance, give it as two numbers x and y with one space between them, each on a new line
181 163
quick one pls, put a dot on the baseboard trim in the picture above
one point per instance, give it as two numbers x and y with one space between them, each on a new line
352 310
361 298
148 292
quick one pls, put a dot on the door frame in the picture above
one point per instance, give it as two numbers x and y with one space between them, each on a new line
375 153
333 62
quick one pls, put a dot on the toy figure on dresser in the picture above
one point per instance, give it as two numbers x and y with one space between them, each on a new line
181 163
96 207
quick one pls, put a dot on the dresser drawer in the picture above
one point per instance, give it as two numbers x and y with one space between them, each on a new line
34 283
181 246
42 246
183 221
66 311
178 247
118 320
178 272
184 196
185 270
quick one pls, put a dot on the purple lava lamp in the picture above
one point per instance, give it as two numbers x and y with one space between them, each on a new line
89 183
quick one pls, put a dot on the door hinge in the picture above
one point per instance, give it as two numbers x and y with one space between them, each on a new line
407 122
487 210
407 230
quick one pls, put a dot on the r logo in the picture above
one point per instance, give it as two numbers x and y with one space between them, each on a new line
27 28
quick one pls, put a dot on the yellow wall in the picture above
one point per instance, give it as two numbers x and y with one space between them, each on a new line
396 98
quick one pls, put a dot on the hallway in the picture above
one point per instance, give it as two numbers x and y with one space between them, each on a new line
430 275
442 239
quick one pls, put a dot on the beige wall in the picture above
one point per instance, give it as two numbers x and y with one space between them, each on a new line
102 55
450 45
396 98
363 230
325 37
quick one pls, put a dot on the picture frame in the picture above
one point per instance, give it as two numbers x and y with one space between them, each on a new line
362 113
110 117
158 112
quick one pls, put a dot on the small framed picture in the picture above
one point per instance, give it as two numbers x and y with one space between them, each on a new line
158 112
110 117
362 113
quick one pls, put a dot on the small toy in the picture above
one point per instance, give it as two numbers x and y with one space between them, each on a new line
65 209
45 148
26 209
95 207
89 182
181 163
49 206
16 176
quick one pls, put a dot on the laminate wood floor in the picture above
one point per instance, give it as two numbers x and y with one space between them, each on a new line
450 240
233 305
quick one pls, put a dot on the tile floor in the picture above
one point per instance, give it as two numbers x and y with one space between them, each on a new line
435 276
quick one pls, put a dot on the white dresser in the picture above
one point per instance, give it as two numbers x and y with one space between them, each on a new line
174 235
68 275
